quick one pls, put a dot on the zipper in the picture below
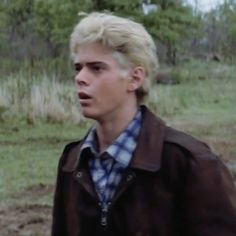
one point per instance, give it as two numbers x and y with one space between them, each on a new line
105 208
126 181
104 214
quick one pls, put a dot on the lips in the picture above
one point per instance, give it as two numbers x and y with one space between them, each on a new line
84 96
84 99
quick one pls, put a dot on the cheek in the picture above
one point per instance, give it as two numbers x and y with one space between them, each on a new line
112 85
124 73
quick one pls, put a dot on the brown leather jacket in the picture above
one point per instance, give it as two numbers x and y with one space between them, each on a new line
174 187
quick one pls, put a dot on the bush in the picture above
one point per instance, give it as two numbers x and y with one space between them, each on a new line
202 70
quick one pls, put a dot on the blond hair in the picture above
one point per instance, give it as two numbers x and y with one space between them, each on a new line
123 36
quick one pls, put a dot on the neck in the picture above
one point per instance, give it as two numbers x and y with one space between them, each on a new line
109 129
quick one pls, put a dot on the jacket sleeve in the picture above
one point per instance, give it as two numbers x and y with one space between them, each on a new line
209 198
58 214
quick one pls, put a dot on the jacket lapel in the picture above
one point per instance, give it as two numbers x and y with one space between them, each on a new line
147 155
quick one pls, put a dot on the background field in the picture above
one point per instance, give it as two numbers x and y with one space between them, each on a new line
35 127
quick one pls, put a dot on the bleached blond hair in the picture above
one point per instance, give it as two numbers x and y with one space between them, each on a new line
131 43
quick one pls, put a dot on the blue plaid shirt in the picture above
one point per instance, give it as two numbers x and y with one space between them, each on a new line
107 168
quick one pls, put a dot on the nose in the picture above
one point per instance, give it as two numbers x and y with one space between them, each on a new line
81 77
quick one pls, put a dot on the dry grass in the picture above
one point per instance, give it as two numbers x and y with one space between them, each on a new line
45 98
40 98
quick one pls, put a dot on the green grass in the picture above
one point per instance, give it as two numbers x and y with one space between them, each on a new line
205 109
29 156
194 97
203 70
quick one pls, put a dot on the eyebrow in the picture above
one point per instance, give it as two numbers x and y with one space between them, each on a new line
91 63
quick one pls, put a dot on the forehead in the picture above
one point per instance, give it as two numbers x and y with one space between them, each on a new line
93 52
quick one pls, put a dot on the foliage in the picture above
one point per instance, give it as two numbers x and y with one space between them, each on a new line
172 24
221 30
39 29
195 70
54 22
34 31
227 19
3 17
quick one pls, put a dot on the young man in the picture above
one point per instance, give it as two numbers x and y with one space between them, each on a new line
131 175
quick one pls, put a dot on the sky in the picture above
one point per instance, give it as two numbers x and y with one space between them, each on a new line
206 5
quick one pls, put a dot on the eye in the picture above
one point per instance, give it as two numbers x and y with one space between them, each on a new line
96 68
78 67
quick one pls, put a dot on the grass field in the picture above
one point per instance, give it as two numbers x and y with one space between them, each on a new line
31 142
29 152
28 162
29 155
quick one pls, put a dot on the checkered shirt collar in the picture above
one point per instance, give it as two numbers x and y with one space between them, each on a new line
122 148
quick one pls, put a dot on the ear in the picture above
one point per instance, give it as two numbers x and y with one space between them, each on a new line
137 78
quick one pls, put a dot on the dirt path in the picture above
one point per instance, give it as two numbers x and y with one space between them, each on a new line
28 220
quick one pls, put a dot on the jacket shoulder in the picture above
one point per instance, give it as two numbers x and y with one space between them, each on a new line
70 146
69 154
187 142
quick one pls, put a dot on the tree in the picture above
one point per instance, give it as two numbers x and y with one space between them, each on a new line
227 21
18 26
39 29
54 21
221 29
3 27
171 24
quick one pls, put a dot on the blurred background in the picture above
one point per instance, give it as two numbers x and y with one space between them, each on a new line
194 89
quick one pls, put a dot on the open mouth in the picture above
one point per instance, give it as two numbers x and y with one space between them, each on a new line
84 99
84 96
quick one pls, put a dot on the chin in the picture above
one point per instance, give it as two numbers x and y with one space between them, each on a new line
88 113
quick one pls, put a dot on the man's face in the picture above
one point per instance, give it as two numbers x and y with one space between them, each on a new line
102 91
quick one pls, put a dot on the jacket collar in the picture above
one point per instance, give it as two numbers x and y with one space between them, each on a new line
147 155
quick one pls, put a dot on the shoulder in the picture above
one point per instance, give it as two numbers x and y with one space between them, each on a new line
155 129
183 153
169 143
69 146
187 143
185 158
